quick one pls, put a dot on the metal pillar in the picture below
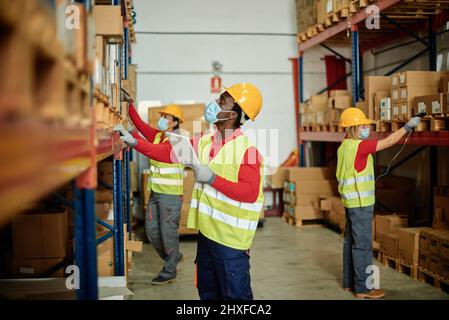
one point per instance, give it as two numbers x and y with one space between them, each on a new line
301 100
355 65
86 243
432 45
127 197
118 219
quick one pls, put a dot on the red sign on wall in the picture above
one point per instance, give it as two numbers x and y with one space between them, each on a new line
215 85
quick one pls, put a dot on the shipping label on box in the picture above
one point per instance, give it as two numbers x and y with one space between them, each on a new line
422 108
436 107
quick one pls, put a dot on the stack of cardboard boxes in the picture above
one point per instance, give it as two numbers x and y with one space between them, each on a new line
40 241
302 191
386 233
377 97
434 252
334 212
338 101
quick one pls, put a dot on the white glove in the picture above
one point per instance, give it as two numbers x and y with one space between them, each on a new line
412 123
203 174
126 136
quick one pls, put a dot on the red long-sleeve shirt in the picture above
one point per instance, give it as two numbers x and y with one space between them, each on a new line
247 187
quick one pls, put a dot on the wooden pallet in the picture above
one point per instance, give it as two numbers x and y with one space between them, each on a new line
389 261
408 269
437 281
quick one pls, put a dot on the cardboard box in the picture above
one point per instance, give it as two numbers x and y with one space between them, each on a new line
389 224
421 78
385 109
378 106
424 259
395 80
108 20
444 84
322 117
341 220
310 174
105 258
340 93
395 110
395 95
305 212
189 182
30 268
407 96
424 241
335 115
373 84
443 245
389 244
409 244
421 104
100 49
40 235
438 242
325 205
105 210
105 172
444 268
184 214
318 103
276 180
434 264
340 102
104 195
319 187
134 177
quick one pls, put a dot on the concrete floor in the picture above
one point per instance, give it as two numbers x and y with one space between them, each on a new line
286 264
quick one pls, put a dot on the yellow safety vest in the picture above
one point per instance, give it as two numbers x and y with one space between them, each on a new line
219 218
357 189
166 178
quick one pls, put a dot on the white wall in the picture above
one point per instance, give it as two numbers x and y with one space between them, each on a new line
178 66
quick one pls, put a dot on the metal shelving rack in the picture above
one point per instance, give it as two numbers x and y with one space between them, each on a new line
399 25
362 40
64 155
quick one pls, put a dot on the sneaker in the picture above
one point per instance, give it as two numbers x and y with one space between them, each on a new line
159 280
373 294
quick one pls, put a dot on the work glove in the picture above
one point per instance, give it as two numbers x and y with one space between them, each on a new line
412 123
126 137
203 174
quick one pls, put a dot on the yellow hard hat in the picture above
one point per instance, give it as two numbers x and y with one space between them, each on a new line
354 117
175 111
248 97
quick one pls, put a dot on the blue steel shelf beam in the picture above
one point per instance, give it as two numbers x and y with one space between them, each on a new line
118 218
355 65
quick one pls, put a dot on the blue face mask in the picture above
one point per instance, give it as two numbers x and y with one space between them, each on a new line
364 133
212 111
162 124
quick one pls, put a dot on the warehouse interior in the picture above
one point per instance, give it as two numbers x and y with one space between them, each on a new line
77 193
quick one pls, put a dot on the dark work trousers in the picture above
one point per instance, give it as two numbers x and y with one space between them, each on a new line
357 248
161 227
222 272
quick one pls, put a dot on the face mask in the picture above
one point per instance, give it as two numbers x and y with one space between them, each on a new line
364 133
162 124
212 111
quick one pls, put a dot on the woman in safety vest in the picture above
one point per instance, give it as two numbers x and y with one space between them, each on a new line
356 184
166 184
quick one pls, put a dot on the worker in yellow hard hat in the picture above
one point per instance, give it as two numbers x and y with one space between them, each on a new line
166 185
228 195
355 174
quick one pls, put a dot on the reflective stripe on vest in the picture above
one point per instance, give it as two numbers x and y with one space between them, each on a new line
357 194
350 181
214 193
165 178
223 217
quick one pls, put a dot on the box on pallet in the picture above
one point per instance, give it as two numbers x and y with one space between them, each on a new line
389 223
441 206
108 20
189 182
438 242
409 244
310 174
372 85
31 268
444 84
389 244
276 180
434 264
39 235
421 78
443 245
424 259
304 212
340 102
378 97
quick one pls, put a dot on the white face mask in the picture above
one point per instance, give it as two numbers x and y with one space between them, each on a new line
364 133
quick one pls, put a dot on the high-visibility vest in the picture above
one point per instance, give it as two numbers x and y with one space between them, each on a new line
166 178
357 189
226 221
